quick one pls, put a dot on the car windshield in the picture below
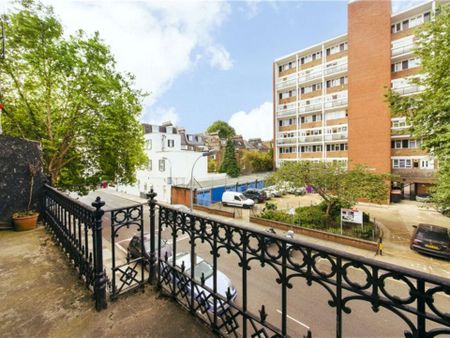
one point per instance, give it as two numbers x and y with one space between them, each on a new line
202 267
433 236
242 197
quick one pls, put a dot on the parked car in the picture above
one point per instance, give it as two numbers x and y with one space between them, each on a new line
423 198
431 239
268 192
236 199
256 195
202 267
134 247
273 191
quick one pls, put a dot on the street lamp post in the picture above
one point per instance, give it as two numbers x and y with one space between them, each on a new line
206 153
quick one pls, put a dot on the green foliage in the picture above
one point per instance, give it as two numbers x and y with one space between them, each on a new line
315 217
429 111
335 184
229 164
276 215
224 129
65 92
258 161
269 206
366 232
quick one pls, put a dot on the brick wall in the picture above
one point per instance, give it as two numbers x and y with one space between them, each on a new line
369 76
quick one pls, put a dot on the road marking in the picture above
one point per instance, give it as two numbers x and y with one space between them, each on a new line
121 248
295 320
124 240
170 241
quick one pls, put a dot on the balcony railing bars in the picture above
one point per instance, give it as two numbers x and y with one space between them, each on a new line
415 304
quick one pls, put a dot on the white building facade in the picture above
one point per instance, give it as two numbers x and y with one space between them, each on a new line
168 164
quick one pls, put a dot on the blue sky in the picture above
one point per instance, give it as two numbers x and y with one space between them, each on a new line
206 60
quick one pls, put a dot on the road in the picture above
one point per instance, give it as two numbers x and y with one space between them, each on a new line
307 305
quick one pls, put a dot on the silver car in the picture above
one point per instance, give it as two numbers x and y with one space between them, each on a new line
202 267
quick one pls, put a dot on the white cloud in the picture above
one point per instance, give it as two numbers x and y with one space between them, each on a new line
219 57
400 5
155 40
258 122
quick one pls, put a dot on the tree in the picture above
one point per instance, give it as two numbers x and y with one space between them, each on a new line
334 183
229 164
429 111
224 129
66 93
258 161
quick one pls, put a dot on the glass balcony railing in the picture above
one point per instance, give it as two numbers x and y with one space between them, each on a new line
402 50
310 108
309 76
312 138
336 137
336 69
287 109
408 90
287 140
336 103
286 83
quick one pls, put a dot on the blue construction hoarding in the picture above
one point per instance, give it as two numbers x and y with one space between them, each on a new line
208 196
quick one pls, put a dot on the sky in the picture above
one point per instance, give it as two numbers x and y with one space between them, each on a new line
203 61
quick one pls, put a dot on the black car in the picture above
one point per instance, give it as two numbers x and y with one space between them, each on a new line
134 248
257 195
431 239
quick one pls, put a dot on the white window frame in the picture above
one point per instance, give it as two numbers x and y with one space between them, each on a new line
162 165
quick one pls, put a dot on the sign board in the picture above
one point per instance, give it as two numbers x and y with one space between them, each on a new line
352 216
291 211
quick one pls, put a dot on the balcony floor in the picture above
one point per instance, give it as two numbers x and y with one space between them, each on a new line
43 297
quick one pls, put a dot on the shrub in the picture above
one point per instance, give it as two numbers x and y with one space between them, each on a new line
309 215
277 215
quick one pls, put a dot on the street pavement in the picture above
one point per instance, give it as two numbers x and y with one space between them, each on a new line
307 305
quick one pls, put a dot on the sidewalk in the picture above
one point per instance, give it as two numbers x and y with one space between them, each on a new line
42 296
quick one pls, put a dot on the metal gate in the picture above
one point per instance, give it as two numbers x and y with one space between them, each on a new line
129 258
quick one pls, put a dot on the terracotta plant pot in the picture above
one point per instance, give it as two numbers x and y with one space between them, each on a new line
23 223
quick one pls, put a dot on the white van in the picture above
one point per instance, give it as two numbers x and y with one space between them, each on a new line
236 199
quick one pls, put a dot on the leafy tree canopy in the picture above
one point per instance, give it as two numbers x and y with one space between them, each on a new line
429 111
66 92
334 183
229 164
259 161
224 129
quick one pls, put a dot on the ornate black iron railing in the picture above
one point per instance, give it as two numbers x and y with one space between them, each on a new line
78 230
418 301
409 295
128 270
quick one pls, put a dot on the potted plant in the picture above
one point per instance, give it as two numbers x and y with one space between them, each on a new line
27 219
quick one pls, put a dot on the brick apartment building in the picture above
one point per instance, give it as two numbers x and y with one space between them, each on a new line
329 98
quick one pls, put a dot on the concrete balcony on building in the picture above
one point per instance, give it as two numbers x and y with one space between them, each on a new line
314 74
409 90
402 51
335 70
286 82
310 139
336 137
287 140
287 109
336 103
310 108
